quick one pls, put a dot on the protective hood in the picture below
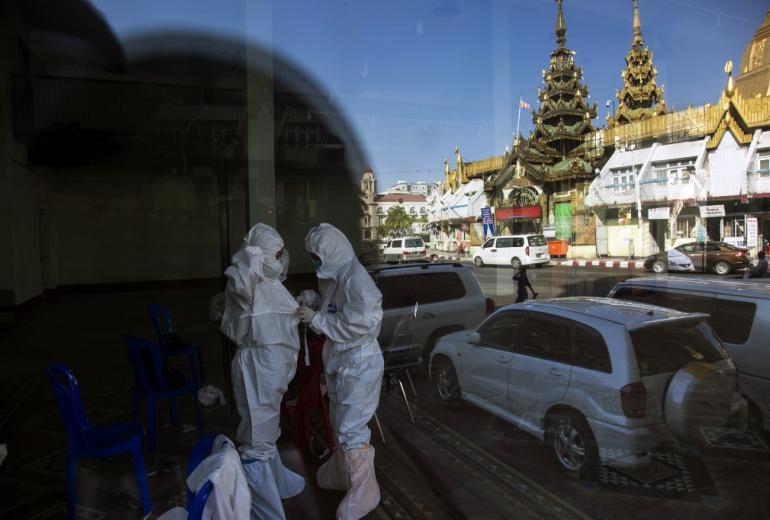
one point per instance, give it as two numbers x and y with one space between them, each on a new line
332 247
265 238
253 300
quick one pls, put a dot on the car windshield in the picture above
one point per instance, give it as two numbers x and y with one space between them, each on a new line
301 212
667 348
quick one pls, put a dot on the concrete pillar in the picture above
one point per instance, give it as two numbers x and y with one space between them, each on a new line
7 297
258 20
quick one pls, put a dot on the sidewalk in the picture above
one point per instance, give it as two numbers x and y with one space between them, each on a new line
609 263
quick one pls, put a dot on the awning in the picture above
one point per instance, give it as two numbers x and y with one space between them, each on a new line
515 213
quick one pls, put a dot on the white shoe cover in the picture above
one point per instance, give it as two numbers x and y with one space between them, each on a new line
289 483
331 474
364 492
265 497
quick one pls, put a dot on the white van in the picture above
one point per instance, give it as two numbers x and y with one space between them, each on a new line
408 249
515 250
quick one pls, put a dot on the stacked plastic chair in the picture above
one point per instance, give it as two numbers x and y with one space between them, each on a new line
85 440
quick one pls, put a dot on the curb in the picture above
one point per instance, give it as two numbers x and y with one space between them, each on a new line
610 264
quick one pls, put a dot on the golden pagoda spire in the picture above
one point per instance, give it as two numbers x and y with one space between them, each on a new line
637 24
561 25
641 97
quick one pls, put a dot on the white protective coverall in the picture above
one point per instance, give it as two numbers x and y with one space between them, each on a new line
350 315
261 318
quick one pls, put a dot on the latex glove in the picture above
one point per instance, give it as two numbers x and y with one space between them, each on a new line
306 314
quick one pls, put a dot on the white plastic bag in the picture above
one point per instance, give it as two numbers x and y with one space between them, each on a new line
209 395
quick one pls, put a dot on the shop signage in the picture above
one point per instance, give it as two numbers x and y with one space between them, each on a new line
658 213
549 232
751 231
486 215
712 211
511 213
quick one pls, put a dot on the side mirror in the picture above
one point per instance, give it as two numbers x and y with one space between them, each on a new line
474 338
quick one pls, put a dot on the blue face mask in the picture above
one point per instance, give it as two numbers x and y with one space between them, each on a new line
317 264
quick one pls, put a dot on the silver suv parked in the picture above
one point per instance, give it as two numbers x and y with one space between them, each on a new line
421 303
739 313
593 375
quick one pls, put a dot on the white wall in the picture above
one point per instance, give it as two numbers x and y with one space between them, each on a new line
617 240
727 179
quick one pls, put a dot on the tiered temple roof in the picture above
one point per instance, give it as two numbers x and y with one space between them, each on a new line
641 97
556 149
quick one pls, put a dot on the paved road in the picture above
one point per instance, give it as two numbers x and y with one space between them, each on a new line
553 281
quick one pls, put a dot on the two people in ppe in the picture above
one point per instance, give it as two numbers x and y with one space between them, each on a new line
350 316
261 317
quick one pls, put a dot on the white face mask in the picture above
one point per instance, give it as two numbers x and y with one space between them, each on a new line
272 268
285 264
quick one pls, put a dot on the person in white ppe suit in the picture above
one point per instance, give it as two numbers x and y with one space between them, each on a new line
261 318
349 315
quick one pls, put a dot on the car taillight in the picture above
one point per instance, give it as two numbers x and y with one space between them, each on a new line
633 398
740 253
490 305
526 250
407 253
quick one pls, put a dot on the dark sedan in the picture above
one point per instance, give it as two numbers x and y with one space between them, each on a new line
717 257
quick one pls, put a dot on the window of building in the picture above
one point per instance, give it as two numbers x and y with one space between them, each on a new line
674 172
763 162
623 179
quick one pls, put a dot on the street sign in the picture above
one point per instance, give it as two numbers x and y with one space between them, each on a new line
658 213
712 211
751 232
486 215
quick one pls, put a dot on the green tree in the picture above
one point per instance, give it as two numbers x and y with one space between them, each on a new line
398 223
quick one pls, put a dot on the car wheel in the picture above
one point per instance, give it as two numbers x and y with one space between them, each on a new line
659 267
515 262
447 387
478 261
722 268
574 445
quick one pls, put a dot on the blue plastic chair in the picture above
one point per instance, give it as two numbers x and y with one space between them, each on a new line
161 322
155 385
85 440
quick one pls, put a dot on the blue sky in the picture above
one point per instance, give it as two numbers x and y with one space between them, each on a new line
419 77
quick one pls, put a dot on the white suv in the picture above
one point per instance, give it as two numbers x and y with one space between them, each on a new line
516 250
594 376
739 312
405 250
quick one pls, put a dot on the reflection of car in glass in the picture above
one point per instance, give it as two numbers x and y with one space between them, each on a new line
589 374
448 298
405 250
739 313
370 253
671 260
515 251
717 257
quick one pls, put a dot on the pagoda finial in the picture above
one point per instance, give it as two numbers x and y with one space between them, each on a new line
637 23
561 26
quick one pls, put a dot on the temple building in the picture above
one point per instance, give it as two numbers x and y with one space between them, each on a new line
641 97
754 72
544 178
648 181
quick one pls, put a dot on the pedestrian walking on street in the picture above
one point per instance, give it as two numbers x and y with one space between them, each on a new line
759 270
522 282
